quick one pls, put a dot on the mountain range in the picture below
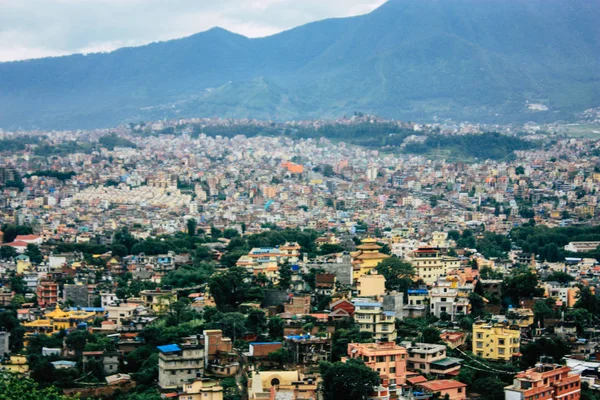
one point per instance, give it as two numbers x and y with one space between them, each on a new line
477 60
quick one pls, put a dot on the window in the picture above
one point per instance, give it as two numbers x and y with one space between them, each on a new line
393 358
274 382
460 390
479 345
479 335
392 370
380 358
501 342
501 350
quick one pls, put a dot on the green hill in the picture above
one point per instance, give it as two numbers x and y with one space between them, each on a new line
480 60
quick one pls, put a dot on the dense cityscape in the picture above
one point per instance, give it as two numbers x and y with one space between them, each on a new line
239 259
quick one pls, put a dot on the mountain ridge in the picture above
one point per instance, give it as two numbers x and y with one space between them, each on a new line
479 60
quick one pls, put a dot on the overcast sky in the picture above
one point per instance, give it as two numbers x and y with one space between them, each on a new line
41 28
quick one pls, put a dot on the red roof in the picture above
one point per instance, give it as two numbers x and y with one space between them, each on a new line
15 244
417 379
442 384
27 237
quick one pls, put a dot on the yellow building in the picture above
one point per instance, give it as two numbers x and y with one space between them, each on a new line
56 320
496 342
158 300
371 285
23 264
366 257
16 364
202 389
284 384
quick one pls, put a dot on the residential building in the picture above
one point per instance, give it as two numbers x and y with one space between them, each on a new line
158 300
372 318
498 342
428 264
47 293
454 389
370 285
430 358
298 305
387 358
446 299
180 363
4 343
289 385
201 389
545 382
308 349
77 294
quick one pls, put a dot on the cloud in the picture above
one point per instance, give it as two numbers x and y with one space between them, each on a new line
41 28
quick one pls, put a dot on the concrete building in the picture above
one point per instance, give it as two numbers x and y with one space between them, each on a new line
298 305
372 318
308 349
4 343
202 389
158 300
447 299
289 385
431 359
47 293
394 301
387 358
545 382
77 294
454 389
179 363
496 342
371 285
428 264
340 267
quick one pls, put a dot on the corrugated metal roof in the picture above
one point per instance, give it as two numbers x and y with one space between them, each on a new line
169 348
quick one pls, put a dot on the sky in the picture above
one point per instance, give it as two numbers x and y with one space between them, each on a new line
43 28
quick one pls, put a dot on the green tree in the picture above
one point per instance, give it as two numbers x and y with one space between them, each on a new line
337 377
192 226
587 300
398 274
560 277
275 327
13 386
119 250
541 310
231 288
430 335
280 356
256 321
521 283
34 253
7 252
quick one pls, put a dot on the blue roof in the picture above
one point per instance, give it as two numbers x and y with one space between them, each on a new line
366 304
63 362
255 343
169 348
392 313
417 291
299 337
88 309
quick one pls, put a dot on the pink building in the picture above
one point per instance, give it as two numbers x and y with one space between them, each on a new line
387 358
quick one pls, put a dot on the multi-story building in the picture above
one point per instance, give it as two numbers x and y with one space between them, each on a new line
497 342
308 349
430 359
202 389
545 382
447 299
180 363
298 305
387 358
370 285
47 293
158 300
372 318
428 264
290 385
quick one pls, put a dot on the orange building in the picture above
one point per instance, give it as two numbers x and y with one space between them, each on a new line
454 389
387 358
545 382
292 167
47 293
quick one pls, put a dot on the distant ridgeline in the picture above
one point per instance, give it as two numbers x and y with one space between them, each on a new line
516 61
